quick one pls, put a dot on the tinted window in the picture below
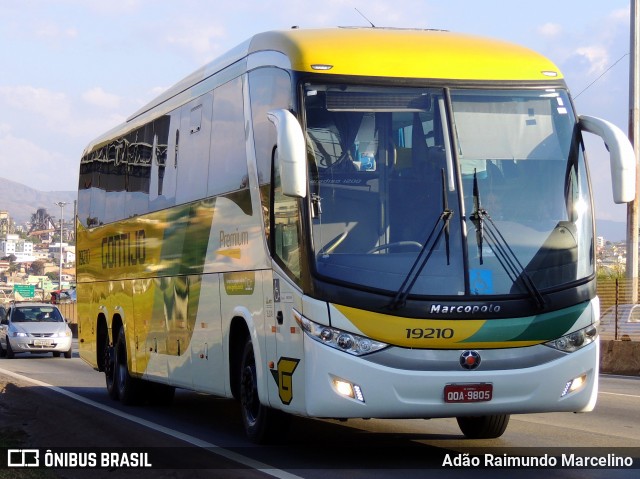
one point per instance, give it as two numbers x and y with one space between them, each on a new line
193 149
228 159
270 88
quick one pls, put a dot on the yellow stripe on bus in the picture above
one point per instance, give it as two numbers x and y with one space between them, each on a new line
424 333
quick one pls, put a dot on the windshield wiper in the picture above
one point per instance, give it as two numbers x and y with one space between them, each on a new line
400 299
500 247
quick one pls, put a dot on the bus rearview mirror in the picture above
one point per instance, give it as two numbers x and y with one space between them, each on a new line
621 155
292 153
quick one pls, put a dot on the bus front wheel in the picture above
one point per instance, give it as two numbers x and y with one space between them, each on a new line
262 424
483 427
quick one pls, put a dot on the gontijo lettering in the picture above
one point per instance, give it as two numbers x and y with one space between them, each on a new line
122 250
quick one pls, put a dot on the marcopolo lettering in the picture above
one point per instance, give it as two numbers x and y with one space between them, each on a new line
122 250
464 308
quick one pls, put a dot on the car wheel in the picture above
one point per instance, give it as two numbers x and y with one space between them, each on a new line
262 424
3 352
56 354
10 353
68 354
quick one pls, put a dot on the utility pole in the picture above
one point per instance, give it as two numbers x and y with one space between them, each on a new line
634 136
61 204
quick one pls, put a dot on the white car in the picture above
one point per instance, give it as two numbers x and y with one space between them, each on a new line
34 328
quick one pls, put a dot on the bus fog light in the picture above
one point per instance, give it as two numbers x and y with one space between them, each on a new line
348 389
574 384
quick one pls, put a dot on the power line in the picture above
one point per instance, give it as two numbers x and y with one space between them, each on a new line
603 74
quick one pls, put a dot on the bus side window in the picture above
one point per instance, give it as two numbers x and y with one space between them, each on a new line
269 89
228 157
286 226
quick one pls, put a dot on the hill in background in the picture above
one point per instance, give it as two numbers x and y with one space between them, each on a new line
22 201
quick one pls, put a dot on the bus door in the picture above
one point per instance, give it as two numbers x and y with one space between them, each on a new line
286 387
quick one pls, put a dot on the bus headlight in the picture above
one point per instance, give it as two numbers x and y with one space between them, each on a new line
336 338
576 340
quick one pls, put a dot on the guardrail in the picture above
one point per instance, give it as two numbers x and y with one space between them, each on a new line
619 317
69 311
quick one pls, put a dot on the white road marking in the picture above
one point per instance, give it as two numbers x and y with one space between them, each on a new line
620 394
214 448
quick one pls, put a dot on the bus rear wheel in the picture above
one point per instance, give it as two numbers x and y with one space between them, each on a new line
262 424
110 371
127 387
483 427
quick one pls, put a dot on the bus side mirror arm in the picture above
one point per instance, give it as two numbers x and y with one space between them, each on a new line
292 153
621 155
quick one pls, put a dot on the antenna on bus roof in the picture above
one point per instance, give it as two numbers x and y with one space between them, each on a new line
362 15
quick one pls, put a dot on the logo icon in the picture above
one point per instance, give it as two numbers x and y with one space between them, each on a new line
23 458
470 360
284 378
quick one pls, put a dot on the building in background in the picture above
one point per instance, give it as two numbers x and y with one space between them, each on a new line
21 249
6 224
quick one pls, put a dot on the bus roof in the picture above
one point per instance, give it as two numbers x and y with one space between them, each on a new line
405 53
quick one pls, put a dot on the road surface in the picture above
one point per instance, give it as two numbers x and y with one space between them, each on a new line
62 403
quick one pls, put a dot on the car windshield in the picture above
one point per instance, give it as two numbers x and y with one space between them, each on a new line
465 192
37 314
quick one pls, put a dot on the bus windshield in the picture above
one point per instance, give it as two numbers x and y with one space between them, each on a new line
447 192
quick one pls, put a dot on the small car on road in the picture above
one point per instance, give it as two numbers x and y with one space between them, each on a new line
29 327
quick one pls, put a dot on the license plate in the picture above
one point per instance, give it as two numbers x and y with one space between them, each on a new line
456 393
42 342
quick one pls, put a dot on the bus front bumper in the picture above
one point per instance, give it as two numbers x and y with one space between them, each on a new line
338 385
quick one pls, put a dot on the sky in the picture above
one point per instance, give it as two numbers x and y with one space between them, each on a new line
72 69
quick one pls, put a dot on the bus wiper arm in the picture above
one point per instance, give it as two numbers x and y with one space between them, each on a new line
500 247
478 215
509 261
421 260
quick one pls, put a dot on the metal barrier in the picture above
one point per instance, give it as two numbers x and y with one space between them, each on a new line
619 317
69 311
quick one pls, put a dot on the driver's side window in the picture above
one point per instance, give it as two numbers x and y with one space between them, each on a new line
286 226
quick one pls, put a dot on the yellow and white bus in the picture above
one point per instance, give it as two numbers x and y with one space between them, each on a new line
349 223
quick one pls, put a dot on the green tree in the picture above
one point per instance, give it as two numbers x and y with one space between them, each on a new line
37 268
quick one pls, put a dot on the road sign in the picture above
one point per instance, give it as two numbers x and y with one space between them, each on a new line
25 290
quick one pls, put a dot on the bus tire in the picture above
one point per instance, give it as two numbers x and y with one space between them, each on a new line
128 387
262 424
110 371
483 427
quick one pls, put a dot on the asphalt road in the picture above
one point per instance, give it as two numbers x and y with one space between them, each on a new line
203 432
